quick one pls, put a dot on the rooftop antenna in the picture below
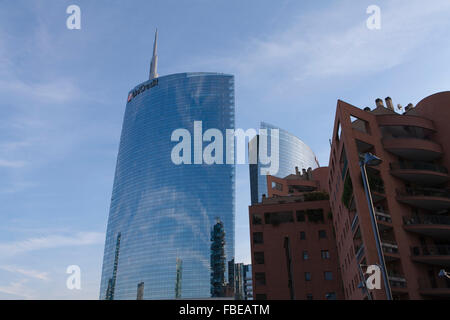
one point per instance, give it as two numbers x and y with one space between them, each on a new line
154 63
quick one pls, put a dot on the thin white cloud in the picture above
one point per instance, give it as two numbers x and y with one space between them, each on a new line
324 44
11 164
14 145
26 272
51 241
18 289
57 91
335 42
17 185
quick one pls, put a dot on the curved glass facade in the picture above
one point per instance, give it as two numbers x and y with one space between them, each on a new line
162 215
293 152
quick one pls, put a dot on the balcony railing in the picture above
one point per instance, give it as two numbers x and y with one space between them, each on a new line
433 283
427 192
426 219
407 135
389 246
418 165
383 216
397 280
431 250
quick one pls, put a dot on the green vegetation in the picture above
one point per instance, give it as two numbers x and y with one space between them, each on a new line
316 196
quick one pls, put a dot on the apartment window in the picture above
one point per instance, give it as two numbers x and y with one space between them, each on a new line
309 296
305 255
257 219
325 254
302 235
300 216
328 275
276 218
259 257
315 215
322 234
330 296
258 238
260 278
307 276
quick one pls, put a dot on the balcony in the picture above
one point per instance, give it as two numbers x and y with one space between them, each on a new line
390 250
413 148
432 254
425 198
383 219
405 120
396 281
435 287
428 225
427 174
383 216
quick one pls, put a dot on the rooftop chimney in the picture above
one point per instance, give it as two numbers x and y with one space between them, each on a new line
409 107
379 103
389 103
367 109
309 173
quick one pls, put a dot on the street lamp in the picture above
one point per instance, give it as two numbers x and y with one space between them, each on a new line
372 160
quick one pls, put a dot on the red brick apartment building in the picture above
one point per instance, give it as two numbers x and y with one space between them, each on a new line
293 247
409 190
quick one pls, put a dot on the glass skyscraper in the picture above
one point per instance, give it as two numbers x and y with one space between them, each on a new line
292 153
159 240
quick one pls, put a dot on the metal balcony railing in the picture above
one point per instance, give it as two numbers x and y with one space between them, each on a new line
407 135
397 280
427 192
418 165
383 216
389 246
427 220
433 283
431 250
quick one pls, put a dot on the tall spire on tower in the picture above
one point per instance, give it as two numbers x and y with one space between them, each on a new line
154 64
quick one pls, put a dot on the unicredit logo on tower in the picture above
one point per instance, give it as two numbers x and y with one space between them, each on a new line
213 152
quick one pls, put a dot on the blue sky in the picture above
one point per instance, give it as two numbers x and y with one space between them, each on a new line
63 94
